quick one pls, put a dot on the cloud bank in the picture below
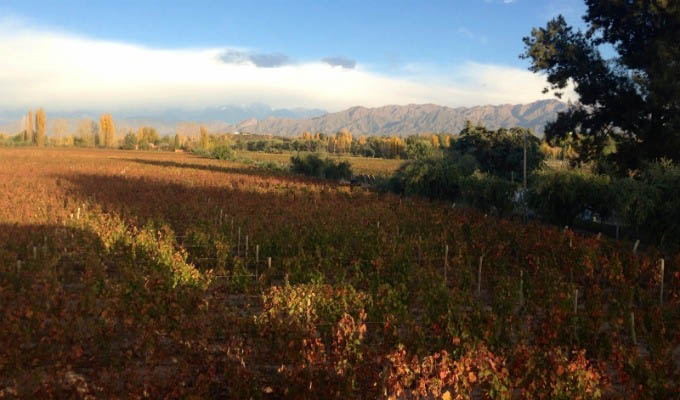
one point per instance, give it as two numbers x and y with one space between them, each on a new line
65 72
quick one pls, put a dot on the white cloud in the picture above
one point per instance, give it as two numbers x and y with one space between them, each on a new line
64 72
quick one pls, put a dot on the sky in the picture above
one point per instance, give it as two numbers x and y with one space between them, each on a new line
122 55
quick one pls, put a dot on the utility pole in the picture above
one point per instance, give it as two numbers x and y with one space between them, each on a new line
524 192
525 159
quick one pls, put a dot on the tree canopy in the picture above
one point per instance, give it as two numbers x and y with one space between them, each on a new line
633 96
499 152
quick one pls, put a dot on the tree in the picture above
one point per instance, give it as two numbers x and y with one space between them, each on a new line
343 141
40 127
146 137
204 138
28 133
108 129
499 152
434 139
86 133
130 141
633 97
59 131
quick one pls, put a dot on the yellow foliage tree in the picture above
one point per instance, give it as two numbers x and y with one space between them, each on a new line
447 141
107 129
332 145
28 133
343 141
435 141
204 138
40 127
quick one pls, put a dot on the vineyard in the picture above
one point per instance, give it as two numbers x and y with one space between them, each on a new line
134 274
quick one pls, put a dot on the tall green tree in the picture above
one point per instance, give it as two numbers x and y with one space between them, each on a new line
499 152
632 96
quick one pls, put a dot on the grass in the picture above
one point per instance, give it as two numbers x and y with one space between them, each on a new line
360 165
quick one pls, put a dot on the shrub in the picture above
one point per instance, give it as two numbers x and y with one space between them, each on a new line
313 165
434 178
562 195
499 152
489 193
222 153
650 202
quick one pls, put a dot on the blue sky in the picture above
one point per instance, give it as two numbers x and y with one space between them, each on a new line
409 47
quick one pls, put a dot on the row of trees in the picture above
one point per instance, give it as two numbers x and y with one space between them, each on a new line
343 142
34 129
88 133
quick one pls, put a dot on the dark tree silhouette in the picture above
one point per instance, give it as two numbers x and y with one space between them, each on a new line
632 97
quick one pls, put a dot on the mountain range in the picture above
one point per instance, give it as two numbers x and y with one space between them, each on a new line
412 118
398 120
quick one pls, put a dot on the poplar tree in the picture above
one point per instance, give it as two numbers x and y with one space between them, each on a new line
40 127
204 138
107 129
28 133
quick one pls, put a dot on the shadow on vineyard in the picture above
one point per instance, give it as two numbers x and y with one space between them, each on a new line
202 167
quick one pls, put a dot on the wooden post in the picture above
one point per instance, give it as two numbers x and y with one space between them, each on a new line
662 266
575 301
78 213
35 252
446 264
521 287
238 244
269 263
246 254
257 254
632 327
479 275
378 225
221 217
635 246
